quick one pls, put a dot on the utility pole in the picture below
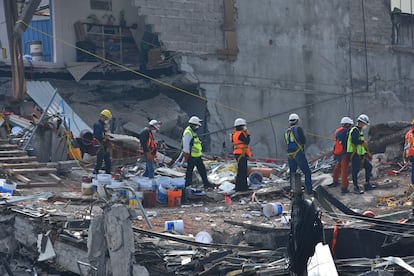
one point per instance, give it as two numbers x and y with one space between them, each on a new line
16 24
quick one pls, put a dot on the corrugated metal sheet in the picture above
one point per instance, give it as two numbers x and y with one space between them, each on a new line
42 92
38 33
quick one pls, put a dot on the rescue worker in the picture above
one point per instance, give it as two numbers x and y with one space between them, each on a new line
295 140
340 155
241 151
409 148
100 133
357 148
149 146
193 151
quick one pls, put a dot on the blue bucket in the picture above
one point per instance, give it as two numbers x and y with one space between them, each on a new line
256 178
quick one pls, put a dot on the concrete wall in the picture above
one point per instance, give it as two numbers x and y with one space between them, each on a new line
307 57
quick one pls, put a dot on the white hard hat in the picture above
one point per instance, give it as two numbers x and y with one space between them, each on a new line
293 117
156 124
195 120
363 118
347 120
239 122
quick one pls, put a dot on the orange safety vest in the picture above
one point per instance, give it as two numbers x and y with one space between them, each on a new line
409 139
151 144
239 147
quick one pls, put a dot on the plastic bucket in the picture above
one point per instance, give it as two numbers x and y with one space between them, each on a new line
162 194
88 188
174 198
178 182
144 183
36 50
150 199
103 180
272 209
203 237
75 153
256 178
174 225
8 188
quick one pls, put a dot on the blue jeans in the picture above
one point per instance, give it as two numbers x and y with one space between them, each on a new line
149 168
301 162
412 169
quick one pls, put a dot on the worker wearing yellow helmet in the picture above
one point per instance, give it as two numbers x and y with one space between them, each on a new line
101 135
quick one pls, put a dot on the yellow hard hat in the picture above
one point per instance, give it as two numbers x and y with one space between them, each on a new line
106 113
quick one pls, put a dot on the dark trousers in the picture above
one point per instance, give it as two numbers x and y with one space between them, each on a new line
412 169
102 154
301 162
358 162
149 167
195 162
241 177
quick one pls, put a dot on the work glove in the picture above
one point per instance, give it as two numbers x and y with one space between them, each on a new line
149 156
365 143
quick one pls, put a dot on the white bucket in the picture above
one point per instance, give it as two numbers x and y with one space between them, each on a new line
175 226
272 209
36 50
8 187
162 194
203 237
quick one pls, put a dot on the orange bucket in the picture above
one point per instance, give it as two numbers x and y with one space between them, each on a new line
75 153
174 198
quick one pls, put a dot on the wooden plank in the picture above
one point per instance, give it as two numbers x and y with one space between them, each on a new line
18 159
22 179
55 177
21 165
36 170
8 146
38 185
13 153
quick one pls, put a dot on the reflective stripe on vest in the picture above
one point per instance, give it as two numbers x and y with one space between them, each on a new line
239 147
196 147
359 148
151 144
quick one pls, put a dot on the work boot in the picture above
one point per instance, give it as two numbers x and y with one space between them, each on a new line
333 184
368 186
344 191
357 190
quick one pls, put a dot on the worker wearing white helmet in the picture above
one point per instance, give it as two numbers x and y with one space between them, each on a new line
357 148
340 155
241 150
101 135
149 146
193 151
295 140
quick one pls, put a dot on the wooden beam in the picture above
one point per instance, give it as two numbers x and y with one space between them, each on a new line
18 159
36 170
55 177
38 184
22 179
6 146
21 165
12 153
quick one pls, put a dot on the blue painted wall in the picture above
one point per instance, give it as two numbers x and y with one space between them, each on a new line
38 32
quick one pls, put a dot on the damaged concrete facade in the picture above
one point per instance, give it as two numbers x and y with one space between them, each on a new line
322 60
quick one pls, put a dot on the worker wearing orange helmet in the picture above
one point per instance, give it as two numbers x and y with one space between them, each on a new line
149 146
409 148
101 135
241 150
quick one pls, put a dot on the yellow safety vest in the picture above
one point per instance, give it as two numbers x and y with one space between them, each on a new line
358 148
195 144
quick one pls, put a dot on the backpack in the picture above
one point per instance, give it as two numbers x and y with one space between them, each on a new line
338 147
